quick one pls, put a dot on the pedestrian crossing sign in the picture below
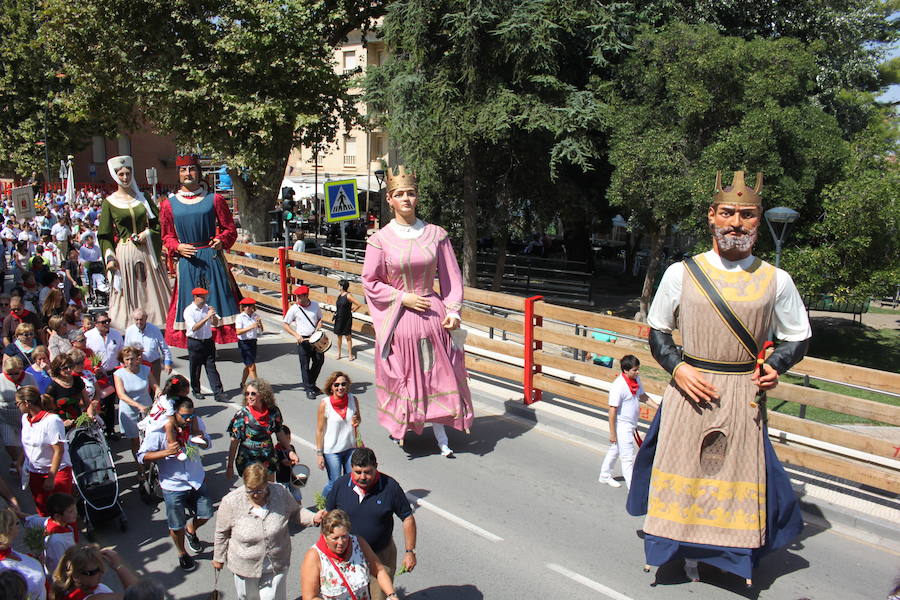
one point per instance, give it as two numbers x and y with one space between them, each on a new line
341 201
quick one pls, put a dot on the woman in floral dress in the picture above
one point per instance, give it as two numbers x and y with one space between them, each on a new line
251 431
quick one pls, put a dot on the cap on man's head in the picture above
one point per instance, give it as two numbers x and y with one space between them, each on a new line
301 289
199 291
247 302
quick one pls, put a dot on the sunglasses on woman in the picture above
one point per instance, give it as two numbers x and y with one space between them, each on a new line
340 384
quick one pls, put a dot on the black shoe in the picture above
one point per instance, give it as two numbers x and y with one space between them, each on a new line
317 390
311 394
199 396
221 397
193 541
186 562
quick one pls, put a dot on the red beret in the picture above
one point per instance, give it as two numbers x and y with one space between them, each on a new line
301 289
247 301
199 291
187 160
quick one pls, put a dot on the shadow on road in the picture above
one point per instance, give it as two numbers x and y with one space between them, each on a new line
446 592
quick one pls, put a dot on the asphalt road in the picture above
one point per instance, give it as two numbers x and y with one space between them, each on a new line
517 514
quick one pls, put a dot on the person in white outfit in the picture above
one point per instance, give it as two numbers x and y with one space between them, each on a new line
625 397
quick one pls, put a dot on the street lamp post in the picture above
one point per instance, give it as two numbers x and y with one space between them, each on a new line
780 217
379 177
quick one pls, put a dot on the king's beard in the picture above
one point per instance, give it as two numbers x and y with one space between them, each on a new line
734 243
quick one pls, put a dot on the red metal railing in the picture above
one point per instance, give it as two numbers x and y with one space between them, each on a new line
532 395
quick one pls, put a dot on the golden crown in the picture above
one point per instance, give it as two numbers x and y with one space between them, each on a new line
738 193
398 177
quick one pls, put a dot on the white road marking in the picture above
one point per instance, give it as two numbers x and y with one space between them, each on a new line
594 585
416 501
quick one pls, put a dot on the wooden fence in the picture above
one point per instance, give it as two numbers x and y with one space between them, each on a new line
861 457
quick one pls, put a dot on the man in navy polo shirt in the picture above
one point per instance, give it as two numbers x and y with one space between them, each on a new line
372 498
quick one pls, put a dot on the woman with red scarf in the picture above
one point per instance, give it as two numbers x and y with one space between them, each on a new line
337 567
625 397
336 426
81 568
31 570
46 449
251 431
12 379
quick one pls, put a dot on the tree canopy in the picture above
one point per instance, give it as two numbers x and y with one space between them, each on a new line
245 80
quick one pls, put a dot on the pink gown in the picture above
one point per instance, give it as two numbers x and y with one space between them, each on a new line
420 375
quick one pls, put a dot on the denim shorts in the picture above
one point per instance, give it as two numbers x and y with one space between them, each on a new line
178 503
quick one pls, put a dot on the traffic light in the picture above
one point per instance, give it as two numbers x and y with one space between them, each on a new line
287 203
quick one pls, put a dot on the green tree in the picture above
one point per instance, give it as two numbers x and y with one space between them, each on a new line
488 100
244 80
688 101
30 84
853 247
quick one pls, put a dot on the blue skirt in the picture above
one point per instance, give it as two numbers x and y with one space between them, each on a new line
783 519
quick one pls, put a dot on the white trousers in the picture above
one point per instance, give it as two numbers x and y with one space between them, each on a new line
624 449
271 586
440 434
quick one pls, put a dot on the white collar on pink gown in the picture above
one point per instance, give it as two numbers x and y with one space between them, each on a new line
407 232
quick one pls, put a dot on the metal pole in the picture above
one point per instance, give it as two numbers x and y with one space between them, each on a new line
316 190
777 252
47 142
368 172
343 240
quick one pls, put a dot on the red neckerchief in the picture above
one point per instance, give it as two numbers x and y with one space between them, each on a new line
37 417
340 405
8 553
261 417
369 487
51 527
21 317
80 593
18 381
321 545
633 384
183 434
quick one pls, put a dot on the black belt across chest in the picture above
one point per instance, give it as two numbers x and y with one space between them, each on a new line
718 366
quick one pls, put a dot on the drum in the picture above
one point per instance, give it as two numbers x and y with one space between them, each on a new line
320 341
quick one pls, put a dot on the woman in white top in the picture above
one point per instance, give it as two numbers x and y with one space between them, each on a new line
46 449
338 418
80 571
10 560
337 567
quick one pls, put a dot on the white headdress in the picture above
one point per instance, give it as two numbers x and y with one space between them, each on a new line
116 163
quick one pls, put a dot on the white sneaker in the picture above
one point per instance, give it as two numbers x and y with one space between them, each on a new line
446 451
609 481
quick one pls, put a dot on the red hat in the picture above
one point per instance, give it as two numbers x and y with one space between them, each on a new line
247 301
301 289
187 160
199 291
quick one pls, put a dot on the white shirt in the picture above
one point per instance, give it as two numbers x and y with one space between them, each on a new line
192 316
244 320
107 349
38 440
31 571
338 432
174 475
299 246
86 254
151 341
302 325
61 232
791 322
628 404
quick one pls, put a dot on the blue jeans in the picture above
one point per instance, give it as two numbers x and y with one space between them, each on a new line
336 464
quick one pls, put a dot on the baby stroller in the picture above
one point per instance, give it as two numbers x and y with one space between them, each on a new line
98 286
95 478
